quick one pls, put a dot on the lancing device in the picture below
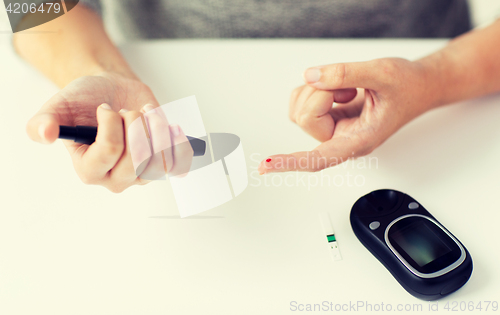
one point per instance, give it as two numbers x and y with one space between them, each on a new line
87 134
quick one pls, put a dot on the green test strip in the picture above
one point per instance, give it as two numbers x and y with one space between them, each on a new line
333 246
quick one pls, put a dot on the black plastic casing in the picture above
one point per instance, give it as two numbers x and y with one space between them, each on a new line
385 206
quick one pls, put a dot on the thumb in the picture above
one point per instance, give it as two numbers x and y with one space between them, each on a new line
43 127
343 76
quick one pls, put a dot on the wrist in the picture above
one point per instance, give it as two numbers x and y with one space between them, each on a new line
90 65
110 70
433 81
71 46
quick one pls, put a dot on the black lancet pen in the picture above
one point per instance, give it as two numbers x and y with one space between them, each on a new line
87 134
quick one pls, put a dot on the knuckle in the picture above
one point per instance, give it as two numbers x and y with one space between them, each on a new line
87 179
124 176
305 120
295 93
387 66
336 74
108 117
116 189
184 149
130 116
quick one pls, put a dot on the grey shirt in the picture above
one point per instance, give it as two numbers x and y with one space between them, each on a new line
137 19
285 18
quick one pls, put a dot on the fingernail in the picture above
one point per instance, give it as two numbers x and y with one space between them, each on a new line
176 130
312 75
105 106
147 108
41 132
264 167
123 110
263 171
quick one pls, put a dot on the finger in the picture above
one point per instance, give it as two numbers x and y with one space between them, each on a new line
139 143
162 160
299 97
344 95
344 75
94 162
314 118
358 98
351 109
182 152
293 104
43 127
306 161
327 154
123 174
314 105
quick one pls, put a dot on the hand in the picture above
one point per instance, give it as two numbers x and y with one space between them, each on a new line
352 122
108 161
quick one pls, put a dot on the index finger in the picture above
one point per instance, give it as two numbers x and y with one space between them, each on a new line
327 154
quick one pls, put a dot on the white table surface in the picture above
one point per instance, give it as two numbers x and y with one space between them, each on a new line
67 248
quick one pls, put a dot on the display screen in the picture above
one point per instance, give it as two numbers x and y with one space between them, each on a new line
420 242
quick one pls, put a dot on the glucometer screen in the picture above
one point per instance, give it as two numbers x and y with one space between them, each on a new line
423 244
420 242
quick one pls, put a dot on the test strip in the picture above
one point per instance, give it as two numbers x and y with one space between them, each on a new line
333 246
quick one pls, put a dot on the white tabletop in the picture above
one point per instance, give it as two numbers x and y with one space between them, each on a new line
67 248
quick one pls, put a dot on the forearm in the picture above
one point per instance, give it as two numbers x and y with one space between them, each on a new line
468 67
70 46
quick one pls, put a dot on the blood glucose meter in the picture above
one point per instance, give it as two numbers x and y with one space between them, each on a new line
423 256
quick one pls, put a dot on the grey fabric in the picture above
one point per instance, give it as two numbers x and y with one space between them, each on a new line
94 5
286 18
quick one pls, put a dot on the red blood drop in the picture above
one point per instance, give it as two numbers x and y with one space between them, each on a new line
268 160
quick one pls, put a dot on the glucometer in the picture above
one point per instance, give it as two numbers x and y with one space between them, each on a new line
423 256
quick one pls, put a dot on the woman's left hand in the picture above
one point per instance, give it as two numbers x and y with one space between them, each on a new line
352 108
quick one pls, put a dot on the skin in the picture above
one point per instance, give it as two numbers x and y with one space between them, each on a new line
374 99
351 108
98 88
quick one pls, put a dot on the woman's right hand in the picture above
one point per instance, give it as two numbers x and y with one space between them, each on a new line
122 154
